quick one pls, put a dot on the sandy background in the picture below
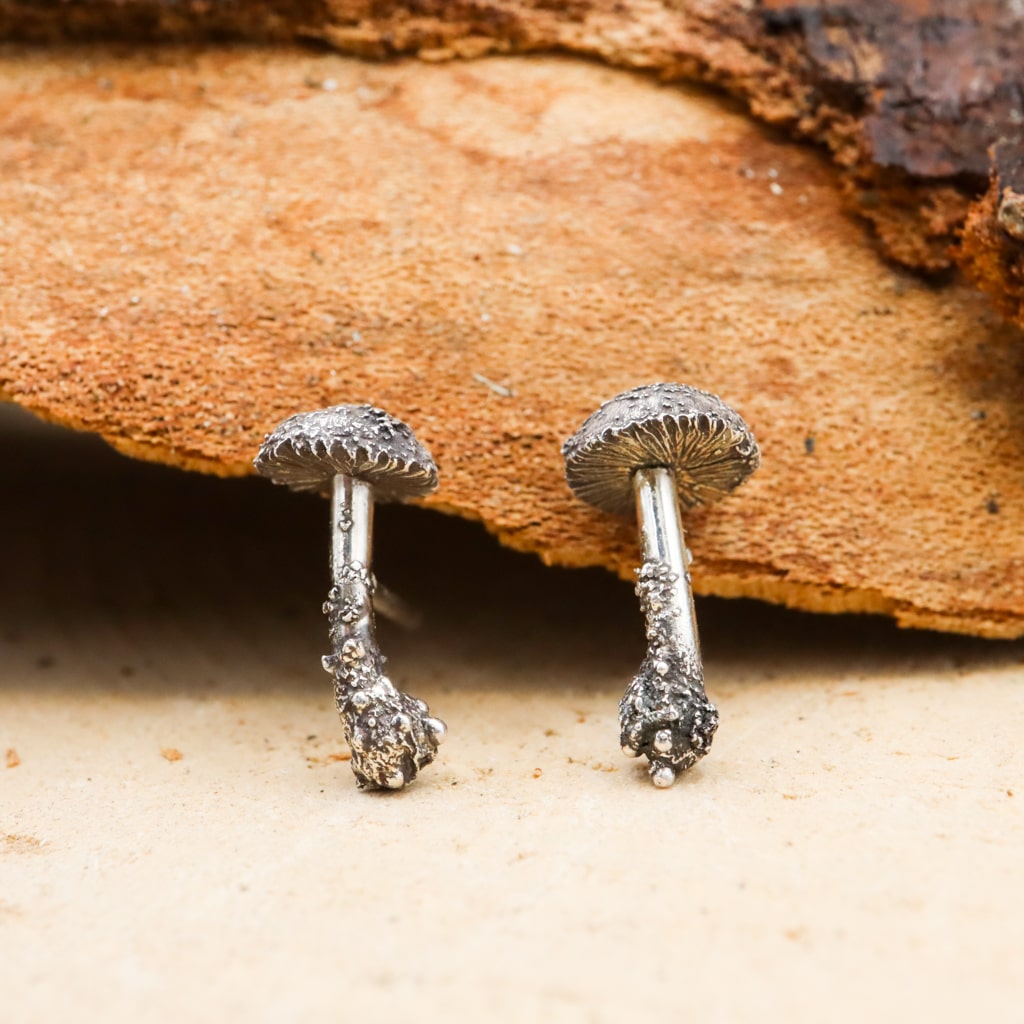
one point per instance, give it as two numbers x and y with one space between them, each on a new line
179 840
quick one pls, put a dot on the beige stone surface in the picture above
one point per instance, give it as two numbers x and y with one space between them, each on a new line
178 839
193 246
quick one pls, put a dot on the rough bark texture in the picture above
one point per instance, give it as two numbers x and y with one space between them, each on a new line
194 246
993 247
907 94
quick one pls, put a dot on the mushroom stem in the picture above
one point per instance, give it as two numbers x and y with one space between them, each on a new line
352 514
391 733
352 623
665 713
662 541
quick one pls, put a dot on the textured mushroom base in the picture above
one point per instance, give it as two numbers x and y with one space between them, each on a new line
387 733
390 733
666 716
665 713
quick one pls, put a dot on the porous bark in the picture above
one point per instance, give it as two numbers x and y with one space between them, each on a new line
194 245
908 95
993 246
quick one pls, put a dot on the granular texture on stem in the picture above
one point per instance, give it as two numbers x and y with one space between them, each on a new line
665 713
391 734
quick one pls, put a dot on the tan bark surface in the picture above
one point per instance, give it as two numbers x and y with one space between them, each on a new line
194 246
906 95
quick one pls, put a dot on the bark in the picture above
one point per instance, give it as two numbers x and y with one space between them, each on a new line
194 245
908 95
993 247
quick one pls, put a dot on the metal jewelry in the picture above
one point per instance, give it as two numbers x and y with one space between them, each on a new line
358 455
652 449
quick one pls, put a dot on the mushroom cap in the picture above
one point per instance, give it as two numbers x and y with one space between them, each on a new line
308 450
708 447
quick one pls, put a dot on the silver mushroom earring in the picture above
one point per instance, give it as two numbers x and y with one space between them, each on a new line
358 455
651 449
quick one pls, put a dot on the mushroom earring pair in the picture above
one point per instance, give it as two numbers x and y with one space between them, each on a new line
652 449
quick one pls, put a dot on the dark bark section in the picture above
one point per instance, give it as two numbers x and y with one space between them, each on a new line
908 95
992 253
152 21
1008 178
935 83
